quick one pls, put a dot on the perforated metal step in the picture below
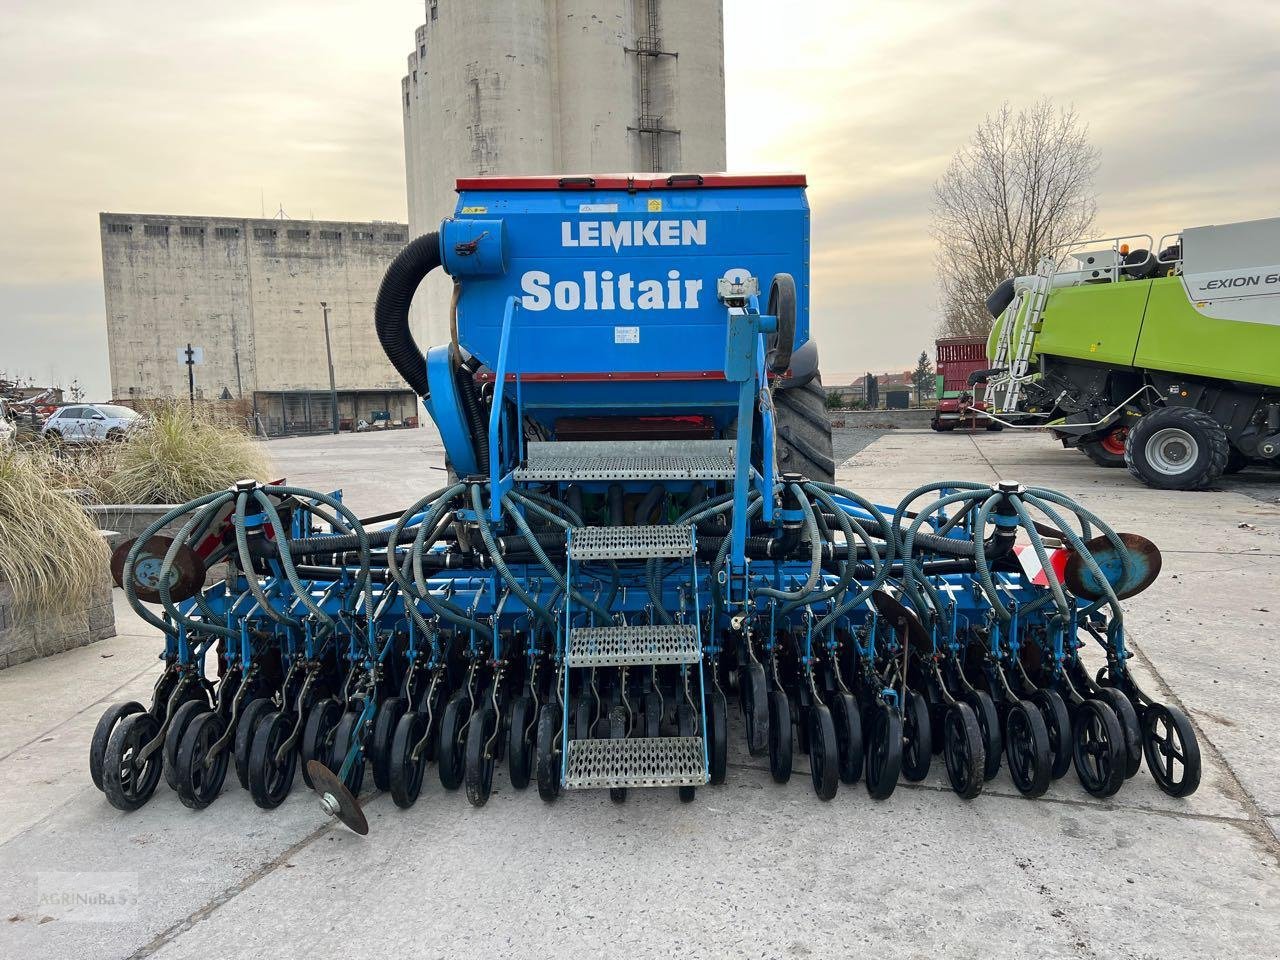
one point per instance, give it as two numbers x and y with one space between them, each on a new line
636 762
632 543
586 460
629 646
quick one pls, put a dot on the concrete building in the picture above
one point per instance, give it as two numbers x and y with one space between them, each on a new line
556 86
247 295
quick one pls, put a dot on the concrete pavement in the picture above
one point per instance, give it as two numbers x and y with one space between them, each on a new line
750 869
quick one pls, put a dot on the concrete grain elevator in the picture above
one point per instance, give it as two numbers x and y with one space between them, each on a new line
556 86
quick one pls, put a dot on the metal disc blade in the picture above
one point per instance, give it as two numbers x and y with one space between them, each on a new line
347 809
897 613
1144 567
186 576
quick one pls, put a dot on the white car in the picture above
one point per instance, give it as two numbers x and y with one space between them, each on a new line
7 430
89 423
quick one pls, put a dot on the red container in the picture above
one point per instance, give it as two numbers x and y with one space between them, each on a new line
957 358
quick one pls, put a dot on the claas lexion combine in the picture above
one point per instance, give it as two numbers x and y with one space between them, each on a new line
639 525
1165 362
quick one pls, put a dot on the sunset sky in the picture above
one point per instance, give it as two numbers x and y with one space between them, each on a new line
224 109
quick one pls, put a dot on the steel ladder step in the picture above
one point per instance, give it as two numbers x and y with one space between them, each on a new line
631 543
622 646
636 762
589 460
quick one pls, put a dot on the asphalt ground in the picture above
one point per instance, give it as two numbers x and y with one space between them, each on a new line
749 869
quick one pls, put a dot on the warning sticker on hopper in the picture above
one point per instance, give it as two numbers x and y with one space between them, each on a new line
626 334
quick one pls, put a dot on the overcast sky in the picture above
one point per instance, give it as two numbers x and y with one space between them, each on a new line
175 107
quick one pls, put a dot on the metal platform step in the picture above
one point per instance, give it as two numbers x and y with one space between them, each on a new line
632 543
636 762
587 460
633 645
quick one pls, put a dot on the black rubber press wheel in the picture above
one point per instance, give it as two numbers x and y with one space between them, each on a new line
884 751
779 736
824 752
1099 749
962 750
271 777
917 735
407 771
481 754
1026 742
848 723
102 733
127 784
1173 753
201 775
547 757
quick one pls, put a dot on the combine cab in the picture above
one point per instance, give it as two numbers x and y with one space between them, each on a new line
1167 363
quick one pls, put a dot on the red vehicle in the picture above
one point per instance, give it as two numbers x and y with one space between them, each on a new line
957 357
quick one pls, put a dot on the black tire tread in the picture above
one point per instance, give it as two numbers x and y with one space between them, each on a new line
1218 444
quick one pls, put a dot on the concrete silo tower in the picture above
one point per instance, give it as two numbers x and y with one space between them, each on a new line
556 86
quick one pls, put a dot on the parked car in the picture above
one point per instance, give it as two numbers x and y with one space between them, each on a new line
89 423
7 429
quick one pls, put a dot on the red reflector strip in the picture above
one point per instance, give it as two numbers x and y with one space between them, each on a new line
1034 570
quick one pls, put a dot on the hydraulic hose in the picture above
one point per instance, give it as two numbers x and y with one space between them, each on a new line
391 309
486 534
647 505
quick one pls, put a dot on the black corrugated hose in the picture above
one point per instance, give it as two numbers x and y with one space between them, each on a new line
391 310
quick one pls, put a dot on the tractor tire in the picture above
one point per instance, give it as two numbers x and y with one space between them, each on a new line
804 432
1177 448
1236 461
1107 451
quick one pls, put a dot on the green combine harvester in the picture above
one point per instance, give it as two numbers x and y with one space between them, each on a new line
1167 364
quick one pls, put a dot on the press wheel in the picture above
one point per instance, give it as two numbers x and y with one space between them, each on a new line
1099 748
1129 723
547 757
779 736
884 751
754 691
618 731
317 736
848 723
718 733
378 747
686 726
1026 743
824 752
917 737
1057 722
200 775
962 750
481 753
246 726
344 740
178 724
451 754
522 736
405 771
271 779
989 723
1173 753
102 733
126 785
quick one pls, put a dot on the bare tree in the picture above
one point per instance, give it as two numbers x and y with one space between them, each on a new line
1021 186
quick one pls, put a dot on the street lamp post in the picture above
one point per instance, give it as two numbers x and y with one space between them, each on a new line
328 351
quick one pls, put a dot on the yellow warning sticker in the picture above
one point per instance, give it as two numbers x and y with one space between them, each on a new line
475 209
655 206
